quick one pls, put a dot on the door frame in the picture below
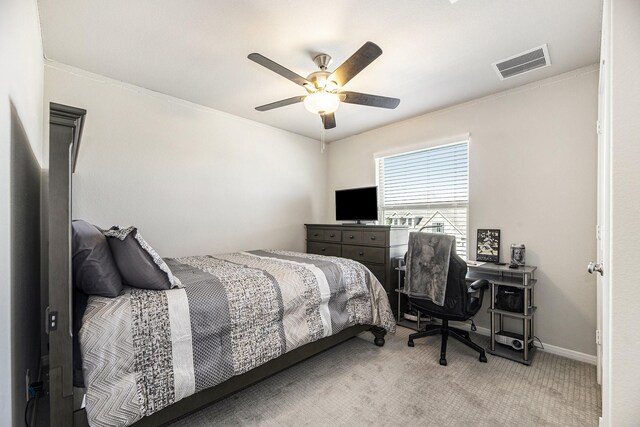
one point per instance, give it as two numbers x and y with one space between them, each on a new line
603 231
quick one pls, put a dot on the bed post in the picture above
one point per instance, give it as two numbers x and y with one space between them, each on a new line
65 130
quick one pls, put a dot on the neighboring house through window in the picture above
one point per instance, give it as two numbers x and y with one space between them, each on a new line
427 190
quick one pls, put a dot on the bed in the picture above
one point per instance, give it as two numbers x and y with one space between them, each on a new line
146 350
152 356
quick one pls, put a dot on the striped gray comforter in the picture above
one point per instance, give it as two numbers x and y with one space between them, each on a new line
145 349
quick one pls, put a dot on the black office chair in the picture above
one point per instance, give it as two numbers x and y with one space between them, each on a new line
462 302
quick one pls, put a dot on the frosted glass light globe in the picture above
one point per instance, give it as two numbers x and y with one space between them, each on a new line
322 102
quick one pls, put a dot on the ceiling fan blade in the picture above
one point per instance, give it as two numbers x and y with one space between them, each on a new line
281 103
370 100
277 68
328 120
356 63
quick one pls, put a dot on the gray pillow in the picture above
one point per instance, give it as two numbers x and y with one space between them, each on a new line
139 265
94 270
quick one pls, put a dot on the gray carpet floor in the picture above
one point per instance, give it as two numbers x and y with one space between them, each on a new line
357 383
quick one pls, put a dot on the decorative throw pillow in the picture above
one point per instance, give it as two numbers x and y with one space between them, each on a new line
94 269
139 265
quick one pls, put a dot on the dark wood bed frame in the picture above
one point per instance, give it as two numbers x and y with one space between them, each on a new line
65 124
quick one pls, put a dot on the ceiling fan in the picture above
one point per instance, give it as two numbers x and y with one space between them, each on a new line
324 92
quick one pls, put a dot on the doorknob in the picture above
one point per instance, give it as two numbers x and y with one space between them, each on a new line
594 267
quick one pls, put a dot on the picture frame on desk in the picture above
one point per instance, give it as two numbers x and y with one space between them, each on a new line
488 245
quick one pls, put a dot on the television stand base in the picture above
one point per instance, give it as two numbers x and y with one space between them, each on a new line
359 222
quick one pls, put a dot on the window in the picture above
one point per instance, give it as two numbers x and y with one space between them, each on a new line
427 190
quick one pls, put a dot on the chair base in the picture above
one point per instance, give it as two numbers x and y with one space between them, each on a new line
446 331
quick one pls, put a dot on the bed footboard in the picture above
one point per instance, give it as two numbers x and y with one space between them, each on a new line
211 395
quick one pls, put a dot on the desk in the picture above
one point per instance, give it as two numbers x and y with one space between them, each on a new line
523 278
498 275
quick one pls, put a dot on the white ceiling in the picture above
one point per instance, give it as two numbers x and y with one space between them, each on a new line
436 53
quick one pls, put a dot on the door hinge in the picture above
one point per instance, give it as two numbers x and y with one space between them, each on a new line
598 232
598 127
598 340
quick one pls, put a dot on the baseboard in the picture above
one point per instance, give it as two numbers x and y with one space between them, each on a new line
549 348
570 354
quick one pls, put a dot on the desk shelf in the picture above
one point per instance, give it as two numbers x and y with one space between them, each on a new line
516 282
400 320
412 325
509 353
513 313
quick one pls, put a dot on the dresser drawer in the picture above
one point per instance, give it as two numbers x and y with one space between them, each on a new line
374 238
332 235
364 253
350 236
315 234
377 270
328 249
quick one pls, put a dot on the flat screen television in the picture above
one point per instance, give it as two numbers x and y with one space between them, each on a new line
357 204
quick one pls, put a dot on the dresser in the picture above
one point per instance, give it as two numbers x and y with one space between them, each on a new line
375 246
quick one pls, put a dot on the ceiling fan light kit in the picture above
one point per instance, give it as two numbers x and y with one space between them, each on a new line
322 102
324 87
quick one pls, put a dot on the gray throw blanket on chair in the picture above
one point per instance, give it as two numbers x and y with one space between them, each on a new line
428 266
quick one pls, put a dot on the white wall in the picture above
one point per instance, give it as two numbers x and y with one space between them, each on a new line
625 206
533 154
194 180
21 86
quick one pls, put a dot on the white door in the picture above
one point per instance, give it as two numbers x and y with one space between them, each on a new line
598 266
602 265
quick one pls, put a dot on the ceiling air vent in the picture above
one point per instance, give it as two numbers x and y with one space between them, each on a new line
523 62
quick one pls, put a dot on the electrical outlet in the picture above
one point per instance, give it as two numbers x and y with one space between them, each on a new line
27 382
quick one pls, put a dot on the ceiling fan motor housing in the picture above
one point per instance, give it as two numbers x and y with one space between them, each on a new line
319 79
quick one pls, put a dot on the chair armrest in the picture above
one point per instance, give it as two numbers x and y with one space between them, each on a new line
478 285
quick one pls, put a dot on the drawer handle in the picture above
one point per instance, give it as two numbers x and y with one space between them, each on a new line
361 253
316 235
332 235
352 236
323 249
373 237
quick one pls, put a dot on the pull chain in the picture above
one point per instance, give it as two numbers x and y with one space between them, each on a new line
322 145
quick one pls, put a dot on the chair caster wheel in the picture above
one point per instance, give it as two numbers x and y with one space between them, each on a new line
379 342
483 358
443 362
411 344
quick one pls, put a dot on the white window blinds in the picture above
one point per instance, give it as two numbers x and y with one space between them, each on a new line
427 190
435 175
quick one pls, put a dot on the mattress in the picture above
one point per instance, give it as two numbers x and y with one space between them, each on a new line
145 350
